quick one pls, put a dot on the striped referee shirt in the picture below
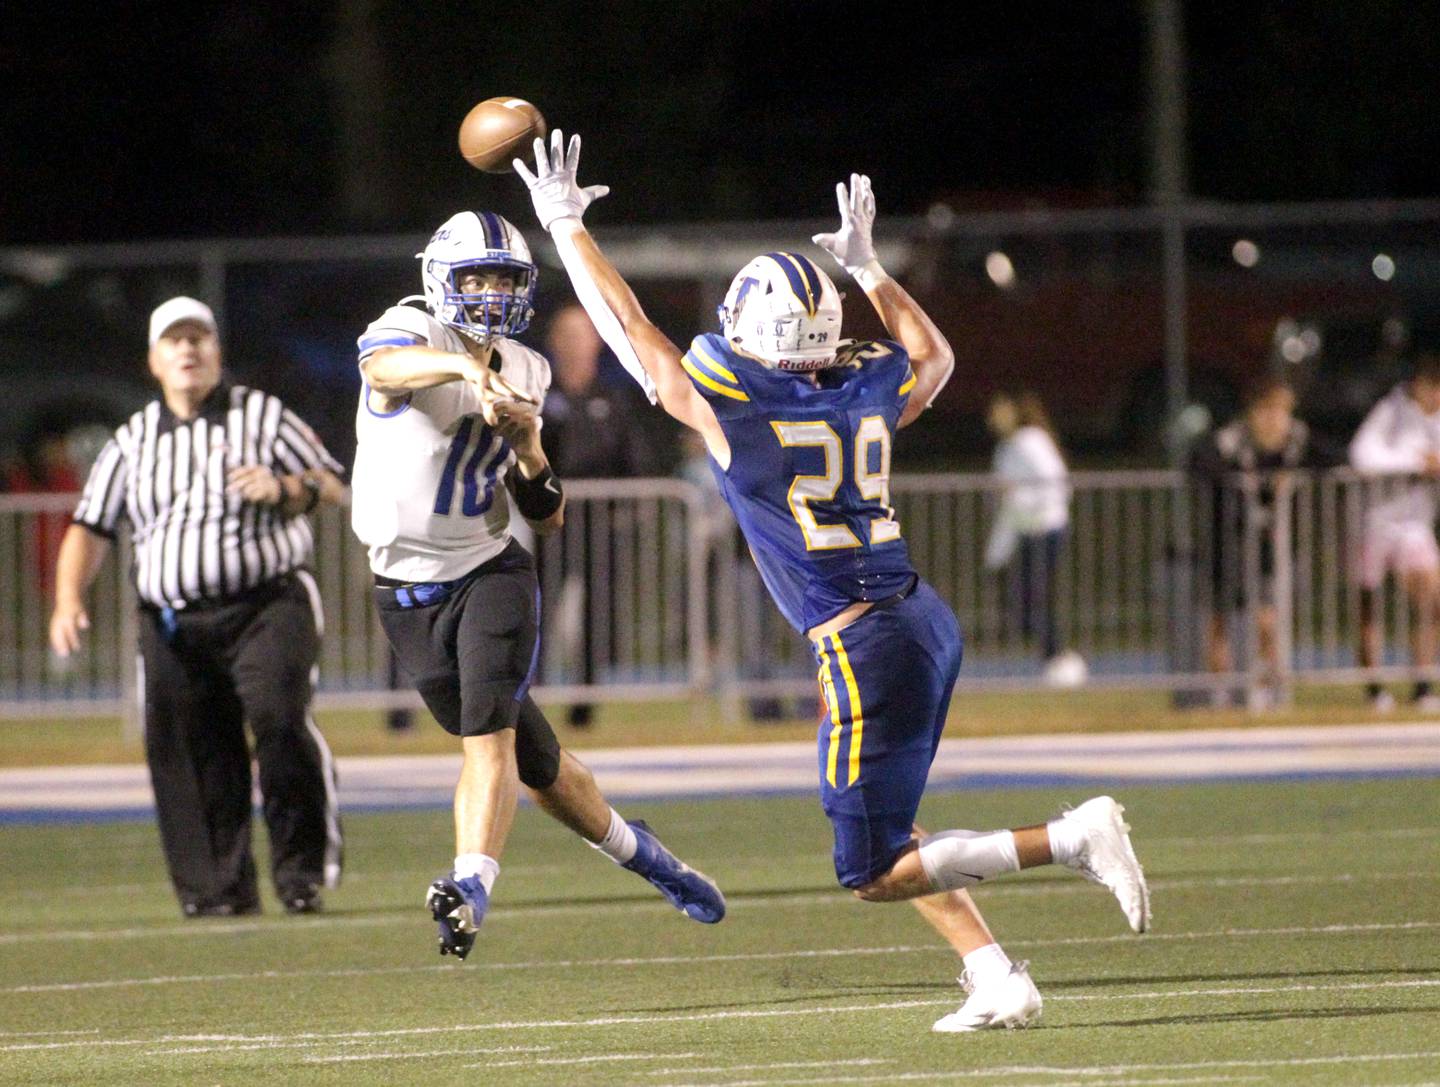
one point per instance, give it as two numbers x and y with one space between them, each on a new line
167 477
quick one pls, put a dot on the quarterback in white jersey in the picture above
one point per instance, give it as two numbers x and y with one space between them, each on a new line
428 471
449 414
1399 438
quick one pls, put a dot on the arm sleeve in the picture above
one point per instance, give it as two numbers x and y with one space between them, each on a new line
103 502
1374 449
604 319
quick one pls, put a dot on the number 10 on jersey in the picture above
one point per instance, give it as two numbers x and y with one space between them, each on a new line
873 485
487 453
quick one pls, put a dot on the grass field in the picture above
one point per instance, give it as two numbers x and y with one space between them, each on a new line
1297 941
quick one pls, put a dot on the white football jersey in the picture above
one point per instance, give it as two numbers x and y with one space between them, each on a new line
427 491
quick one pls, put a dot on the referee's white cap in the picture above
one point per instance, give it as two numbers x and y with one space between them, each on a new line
180 308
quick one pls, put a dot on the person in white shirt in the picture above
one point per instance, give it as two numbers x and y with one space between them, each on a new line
1031 523
1401 437
449 416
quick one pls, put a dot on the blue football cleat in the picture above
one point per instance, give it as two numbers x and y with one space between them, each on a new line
689 891
458 906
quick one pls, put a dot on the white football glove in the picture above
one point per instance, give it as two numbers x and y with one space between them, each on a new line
852 244
553 188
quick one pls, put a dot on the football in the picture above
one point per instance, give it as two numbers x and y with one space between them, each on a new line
498 130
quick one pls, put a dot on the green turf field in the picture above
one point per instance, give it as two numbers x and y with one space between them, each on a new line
1297 940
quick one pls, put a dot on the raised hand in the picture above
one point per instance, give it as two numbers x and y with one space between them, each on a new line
554 190
852 245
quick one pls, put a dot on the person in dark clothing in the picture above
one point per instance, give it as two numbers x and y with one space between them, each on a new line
593 430
1246 469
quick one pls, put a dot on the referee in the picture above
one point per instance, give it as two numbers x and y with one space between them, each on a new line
214 480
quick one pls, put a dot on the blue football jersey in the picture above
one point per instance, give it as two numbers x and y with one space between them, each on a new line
809 476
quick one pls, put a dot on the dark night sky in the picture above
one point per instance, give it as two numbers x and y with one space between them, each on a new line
316 117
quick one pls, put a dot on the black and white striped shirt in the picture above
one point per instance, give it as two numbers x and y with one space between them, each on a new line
167 477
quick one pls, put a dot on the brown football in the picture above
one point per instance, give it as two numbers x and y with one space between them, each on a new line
498 130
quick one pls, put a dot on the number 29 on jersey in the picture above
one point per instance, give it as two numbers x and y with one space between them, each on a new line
872 484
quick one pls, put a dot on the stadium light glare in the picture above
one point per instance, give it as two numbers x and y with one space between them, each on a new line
1245 252
1384 267
1000 270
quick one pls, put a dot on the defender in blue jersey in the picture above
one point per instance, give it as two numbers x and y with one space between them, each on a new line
799 425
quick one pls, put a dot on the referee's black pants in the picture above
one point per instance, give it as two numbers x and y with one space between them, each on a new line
207 670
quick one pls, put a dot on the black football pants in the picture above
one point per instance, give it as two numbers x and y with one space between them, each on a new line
207 670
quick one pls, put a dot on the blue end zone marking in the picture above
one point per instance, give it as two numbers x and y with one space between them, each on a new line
969 782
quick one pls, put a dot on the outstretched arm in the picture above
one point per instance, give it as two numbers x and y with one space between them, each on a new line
852 245
395 372
559 203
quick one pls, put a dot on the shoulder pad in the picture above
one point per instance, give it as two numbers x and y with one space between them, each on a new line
878 357
398 326
714 369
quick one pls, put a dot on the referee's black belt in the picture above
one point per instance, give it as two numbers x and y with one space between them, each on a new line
422 594
256 594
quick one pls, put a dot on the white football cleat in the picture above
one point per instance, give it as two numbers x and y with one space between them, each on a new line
1108 858
1011 1001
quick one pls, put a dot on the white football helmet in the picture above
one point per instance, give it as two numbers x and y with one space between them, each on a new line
484 240
783 309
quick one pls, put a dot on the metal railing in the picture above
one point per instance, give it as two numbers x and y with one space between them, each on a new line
649 594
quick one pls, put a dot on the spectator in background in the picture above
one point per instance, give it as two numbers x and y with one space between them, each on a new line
45 467
1401 436
1246 468
593 430
1031 523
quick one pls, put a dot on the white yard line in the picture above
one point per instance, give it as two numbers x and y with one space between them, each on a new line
744 956
766 1066
190 1050
976 1074
599 1058
1102 1073
650 1019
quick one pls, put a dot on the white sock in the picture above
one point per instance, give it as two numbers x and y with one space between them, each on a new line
962 858
988 963
1067 840
477 864
619 842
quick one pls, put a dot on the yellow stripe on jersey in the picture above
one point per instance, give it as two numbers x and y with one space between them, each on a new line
827 688
709 382
857 715
703 358
909 383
